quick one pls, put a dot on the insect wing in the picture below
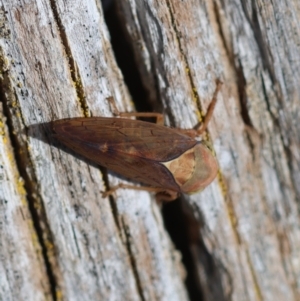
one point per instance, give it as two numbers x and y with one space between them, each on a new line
137 169
128 137
128 147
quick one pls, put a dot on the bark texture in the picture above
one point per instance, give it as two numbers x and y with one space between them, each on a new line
60 240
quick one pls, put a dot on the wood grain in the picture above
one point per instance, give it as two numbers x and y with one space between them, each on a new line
249 221
56 61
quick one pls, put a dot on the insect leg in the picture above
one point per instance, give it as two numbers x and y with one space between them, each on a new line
126 186
166 196
199 129
210 109
159 117
161 195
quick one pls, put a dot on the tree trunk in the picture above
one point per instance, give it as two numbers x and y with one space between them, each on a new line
60 240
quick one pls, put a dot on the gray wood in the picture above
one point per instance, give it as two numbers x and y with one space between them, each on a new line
57 62
22 268
248 221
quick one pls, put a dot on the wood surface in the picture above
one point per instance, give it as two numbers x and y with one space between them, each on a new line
60 240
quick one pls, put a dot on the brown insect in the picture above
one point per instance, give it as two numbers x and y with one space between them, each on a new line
169 161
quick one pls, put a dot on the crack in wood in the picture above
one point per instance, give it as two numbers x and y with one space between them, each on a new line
75 75
34 199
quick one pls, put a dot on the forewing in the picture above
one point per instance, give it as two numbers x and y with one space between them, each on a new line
141 170
126 137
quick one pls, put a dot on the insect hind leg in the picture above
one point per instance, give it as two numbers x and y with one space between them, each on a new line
161 195
126 186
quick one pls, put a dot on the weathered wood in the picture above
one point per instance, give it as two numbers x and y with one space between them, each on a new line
249 216
22 269
56 61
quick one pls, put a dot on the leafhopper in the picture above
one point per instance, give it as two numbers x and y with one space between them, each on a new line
167 161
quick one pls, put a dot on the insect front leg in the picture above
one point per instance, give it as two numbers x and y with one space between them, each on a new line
201 127
159 117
